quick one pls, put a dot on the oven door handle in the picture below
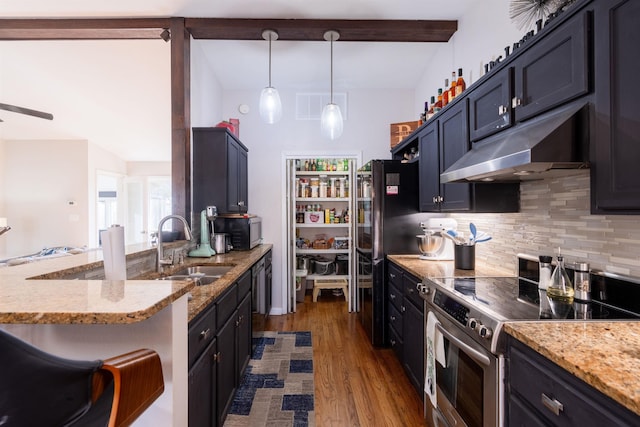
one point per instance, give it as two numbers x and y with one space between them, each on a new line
471 352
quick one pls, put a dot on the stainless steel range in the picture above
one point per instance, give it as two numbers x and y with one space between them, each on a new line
470 312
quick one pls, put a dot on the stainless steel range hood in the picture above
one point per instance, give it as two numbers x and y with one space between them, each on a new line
548 145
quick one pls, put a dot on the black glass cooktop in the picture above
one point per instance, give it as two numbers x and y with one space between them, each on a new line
512 298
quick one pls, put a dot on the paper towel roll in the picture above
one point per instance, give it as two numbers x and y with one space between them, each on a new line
115 264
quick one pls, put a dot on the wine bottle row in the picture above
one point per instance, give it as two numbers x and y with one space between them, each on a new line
445 96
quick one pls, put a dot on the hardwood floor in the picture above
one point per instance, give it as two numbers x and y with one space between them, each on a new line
356 384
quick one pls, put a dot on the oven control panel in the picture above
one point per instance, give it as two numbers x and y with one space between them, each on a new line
452 307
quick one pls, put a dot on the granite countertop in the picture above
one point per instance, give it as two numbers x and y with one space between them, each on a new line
426 268
605 355
52 299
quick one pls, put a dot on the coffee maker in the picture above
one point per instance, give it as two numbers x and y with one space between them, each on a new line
433 244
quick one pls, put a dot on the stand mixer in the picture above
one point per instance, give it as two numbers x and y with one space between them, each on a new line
432 244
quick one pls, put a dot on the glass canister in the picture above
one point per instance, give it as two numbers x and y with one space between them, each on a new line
342 191
324 184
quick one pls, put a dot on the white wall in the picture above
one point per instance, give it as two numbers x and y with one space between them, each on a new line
206 93
37 196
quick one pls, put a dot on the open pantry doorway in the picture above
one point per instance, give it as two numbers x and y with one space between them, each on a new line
319 254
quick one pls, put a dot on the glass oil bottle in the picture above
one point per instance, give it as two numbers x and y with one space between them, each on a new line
560 287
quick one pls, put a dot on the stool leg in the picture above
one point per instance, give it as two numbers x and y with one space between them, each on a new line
316 291
346 296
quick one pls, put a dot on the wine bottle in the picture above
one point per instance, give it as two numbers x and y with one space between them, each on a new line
452 89
430 113
460 84
445 93
438 105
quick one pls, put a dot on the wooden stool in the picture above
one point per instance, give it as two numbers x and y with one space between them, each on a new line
319 284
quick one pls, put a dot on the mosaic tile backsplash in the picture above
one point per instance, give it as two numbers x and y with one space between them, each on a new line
555 212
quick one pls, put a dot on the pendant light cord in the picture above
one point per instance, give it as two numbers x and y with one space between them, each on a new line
331 73
270 38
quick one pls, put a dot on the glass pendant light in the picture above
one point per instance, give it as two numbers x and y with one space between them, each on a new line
270 105
331 119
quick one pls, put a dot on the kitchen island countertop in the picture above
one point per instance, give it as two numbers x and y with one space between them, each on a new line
605 355
52 299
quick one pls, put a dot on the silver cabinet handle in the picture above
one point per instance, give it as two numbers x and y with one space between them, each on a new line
393 318
502 110
435 199
404 309
393 276
516 102
552 404
392 296
241 203
205 334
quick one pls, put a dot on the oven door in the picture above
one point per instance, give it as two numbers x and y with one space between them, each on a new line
468 391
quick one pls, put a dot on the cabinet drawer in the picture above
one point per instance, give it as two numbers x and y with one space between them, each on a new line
395 297
227 303
535 379
201 333
409 284
395 320
394 275
396 343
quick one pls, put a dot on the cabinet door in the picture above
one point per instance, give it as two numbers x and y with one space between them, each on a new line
616 146
243 184
489 106
202 382
226 375
244 335
454 143
553 71
413 344
233 174
429 171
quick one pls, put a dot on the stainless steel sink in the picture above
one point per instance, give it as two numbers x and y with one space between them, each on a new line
200 280
207 270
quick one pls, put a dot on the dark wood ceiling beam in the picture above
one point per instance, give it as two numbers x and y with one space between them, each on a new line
82 29
314 29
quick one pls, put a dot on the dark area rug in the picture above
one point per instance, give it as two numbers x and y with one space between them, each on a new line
277 387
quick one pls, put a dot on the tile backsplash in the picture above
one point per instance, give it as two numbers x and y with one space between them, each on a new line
555 212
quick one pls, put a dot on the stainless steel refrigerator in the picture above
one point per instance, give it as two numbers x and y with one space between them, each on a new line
387 205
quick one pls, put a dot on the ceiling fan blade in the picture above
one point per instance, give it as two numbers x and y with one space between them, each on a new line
27 111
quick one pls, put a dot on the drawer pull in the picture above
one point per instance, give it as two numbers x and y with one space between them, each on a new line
502 110
552 404
393 318
392 296
205 334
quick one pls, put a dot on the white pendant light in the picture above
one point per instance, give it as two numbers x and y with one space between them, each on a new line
331 119
270 105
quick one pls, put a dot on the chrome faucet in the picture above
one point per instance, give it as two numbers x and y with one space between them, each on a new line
161 261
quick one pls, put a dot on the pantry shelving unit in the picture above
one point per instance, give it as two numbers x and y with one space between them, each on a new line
304 233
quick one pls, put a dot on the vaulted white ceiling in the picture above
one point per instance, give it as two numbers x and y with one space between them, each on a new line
81 82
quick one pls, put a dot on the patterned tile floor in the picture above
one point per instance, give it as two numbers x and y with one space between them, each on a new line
277 388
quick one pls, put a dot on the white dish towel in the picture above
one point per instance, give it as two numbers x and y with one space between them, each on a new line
435 352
